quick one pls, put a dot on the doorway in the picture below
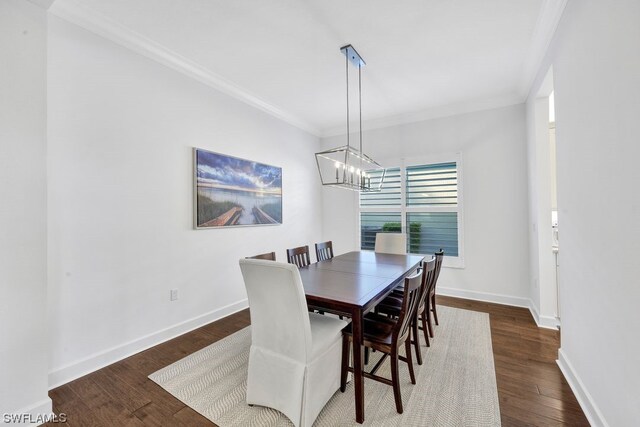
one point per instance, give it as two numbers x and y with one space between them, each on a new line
544 208
553 168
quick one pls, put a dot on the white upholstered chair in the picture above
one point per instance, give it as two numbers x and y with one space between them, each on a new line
295 356
391 243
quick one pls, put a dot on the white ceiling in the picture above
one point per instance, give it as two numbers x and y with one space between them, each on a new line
283 55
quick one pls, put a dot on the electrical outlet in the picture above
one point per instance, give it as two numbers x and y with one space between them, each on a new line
174 294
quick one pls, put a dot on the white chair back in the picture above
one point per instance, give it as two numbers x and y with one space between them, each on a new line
279 314
391 243
294 358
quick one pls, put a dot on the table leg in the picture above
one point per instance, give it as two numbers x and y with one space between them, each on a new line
358 364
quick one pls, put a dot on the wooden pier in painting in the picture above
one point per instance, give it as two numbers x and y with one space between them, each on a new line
261 217
230 217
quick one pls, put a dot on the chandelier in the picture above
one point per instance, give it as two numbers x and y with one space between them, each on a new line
346 166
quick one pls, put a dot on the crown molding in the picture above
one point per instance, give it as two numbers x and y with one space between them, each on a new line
431 113
544 30
81 15
44 4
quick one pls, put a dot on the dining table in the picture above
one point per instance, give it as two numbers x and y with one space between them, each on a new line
351 285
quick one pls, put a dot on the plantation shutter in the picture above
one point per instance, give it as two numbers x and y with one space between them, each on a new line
389 196
432 185
377 222
429 232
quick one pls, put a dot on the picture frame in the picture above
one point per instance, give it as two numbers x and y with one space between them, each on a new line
231 191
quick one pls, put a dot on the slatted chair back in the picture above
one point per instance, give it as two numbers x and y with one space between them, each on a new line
299 256
324 251
269 256
428 280
410 302
439 256
432 292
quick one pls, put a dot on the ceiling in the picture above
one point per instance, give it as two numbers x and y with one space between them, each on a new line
283 56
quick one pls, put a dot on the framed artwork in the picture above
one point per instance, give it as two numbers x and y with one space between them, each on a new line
232 192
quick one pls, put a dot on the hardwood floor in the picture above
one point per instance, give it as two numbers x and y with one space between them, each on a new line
531 389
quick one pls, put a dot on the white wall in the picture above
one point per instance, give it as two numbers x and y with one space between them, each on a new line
493 148
596 65
121 131
23 209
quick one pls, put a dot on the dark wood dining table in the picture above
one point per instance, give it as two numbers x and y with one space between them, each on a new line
351 285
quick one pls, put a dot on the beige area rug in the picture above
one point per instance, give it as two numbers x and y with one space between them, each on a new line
456 384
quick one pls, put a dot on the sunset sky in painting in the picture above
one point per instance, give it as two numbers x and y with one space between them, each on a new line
218 170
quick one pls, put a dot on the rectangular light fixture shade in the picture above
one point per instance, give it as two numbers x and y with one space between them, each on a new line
346 167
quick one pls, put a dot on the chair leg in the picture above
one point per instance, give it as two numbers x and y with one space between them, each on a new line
395 380
425 327
346 343
428 313
433 306
366 355
407 348
416 339
430 325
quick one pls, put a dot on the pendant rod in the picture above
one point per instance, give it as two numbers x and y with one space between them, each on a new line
346 154
360 118
360 103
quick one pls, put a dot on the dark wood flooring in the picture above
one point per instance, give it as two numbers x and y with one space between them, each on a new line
531 389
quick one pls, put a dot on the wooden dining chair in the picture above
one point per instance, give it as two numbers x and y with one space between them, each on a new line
387 336
392 305
324 251
299 256
431 297
269 256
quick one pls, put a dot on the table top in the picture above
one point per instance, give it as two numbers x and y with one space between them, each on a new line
356 278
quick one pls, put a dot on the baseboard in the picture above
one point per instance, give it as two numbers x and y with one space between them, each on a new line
33 415
591 411
547 322
77 369
484 296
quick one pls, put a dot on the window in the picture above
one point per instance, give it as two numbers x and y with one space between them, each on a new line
374 222
374 207
422 200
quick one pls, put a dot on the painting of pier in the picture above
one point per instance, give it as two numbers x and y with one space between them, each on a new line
233 192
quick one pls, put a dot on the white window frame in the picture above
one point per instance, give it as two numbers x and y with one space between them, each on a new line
403 209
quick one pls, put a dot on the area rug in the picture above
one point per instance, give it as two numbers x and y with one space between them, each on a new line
456 384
